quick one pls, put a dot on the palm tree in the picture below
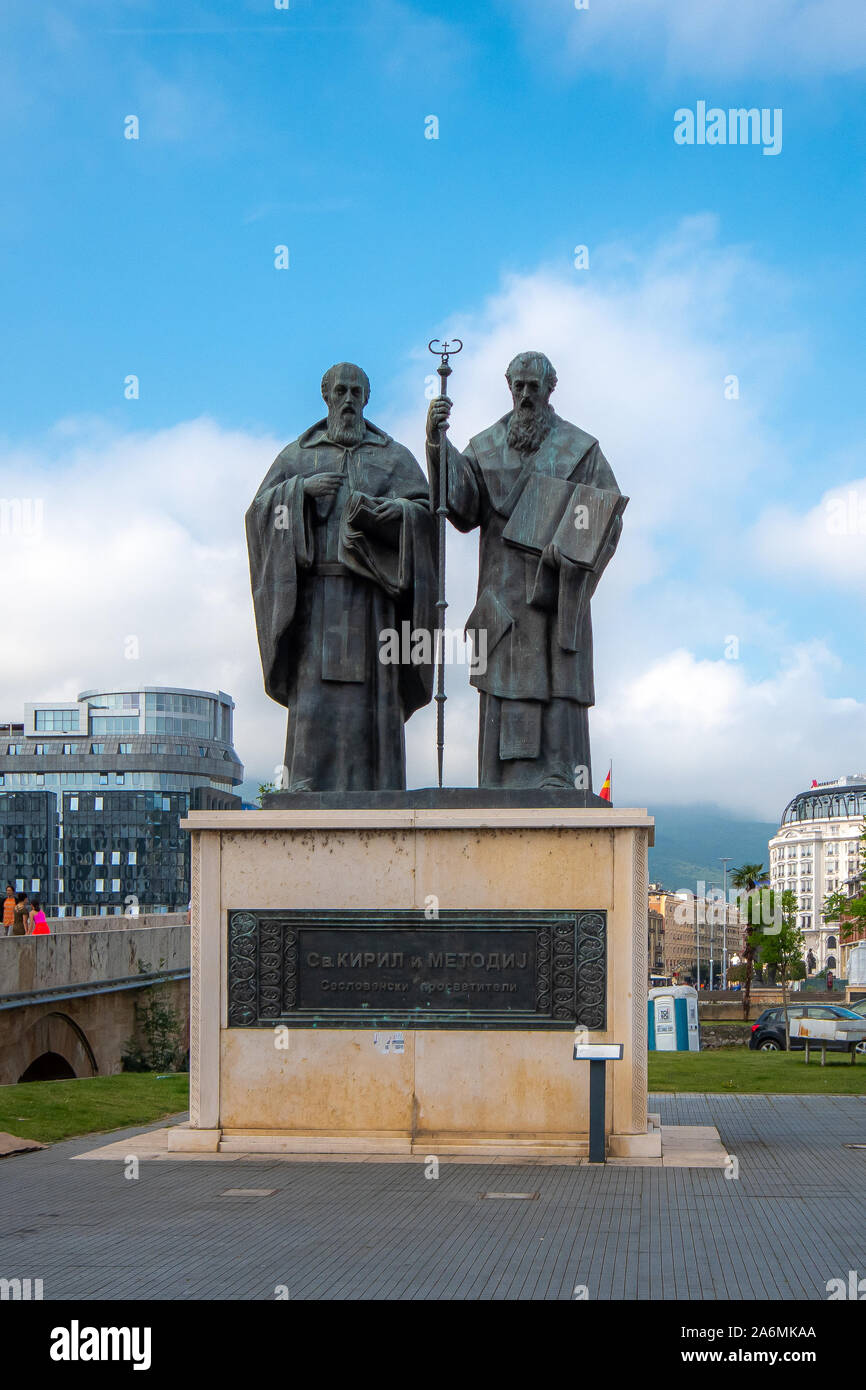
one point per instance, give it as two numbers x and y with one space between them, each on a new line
747 878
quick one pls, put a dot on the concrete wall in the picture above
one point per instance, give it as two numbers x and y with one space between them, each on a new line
89 1031
29 963
720 1006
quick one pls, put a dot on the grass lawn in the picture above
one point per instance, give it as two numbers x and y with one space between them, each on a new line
53 1110
737 1069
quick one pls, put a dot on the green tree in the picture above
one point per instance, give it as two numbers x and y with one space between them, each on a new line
265 787
745 880
783 950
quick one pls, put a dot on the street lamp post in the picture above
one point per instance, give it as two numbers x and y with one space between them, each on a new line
712 944
725 862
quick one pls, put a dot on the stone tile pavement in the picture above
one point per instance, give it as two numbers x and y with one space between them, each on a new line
794 1218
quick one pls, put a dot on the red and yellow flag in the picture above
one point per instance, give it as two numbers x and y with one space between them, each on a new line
605 791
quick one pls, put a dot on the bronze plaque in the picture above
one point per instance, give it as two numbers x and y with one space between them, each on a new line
542 970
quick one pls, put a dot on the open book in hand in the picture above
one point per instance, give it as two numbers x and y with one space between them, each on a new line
575 519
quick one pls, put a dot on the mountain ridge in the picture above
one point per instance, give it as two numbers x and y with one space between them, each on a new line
690 840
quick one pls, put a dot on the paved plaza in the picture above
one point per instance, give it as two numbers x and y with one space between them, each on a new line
239 1228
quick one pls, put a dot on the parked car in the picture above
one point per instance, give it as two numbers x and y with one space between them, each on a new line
768 1030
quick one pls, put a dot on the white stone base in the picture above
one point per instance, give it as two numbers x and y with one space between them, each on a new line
183 1139
471 1091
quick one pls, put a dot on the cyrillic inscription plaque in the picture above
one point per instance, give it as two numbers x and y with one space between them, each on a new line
376 969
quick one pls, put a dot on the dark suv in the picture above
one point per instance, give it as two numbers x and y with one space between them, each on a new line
768 1032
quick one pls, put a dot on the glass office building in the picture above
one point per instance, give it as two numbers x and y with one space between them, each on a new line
92 792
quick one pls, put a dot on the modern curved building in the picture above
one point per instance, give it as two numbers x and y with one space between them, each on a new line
816 852
92 792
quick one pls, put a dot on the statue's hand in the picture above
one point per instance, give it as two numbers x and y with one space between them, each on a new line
388 510
438 413
322 485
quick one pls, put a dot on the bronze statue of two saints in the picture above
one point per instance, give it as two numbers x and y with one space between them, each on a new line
343 550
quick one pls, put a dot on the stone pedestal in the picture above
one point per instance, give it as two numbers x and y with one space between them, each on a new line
270 1073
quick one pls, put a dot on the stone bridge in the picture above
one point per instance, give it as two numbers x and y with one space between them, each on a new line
67 1000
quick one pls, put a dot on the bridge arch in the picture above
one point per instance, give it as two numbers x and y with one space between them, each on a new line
49 1066
56 1048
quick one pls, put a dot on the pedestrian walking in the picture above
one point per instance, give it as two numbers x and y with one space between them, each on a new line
38 921
22 915
8 909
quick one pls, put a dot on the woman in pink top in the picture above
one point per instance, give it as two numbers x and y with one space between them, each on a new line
38 920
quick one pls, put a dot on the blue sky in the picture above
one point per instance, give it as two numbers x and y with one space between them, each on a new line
306 127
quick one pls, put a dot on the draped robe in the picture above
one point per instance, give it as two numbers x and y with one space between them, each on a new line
324 591
538 686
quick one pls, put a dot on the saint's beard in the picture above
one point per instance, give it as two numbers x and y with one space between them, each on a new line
528 428
347 430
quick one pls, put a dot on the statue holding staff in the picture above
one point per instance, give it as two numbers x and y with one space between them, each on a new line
549 512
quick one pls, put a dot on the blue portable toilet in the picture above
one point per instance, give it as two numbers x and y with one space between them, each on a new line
673 1019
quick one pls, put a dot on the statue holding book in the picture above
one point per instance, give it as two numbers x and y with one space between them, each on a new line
341 550
549 512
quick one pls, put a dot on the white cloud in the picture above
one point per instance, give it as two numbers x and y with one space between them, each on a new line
724 38
687 731
825 543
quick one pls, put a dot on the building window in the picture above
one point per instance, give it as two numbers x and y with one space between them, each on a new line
15 748
115 885
115 856
57 721
97 803
19 885
831 943
831 962
35 885
103 779
119 779
70 747
114 724
124 748
132 857
100 885
99 857
97 748
73 803
39 749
